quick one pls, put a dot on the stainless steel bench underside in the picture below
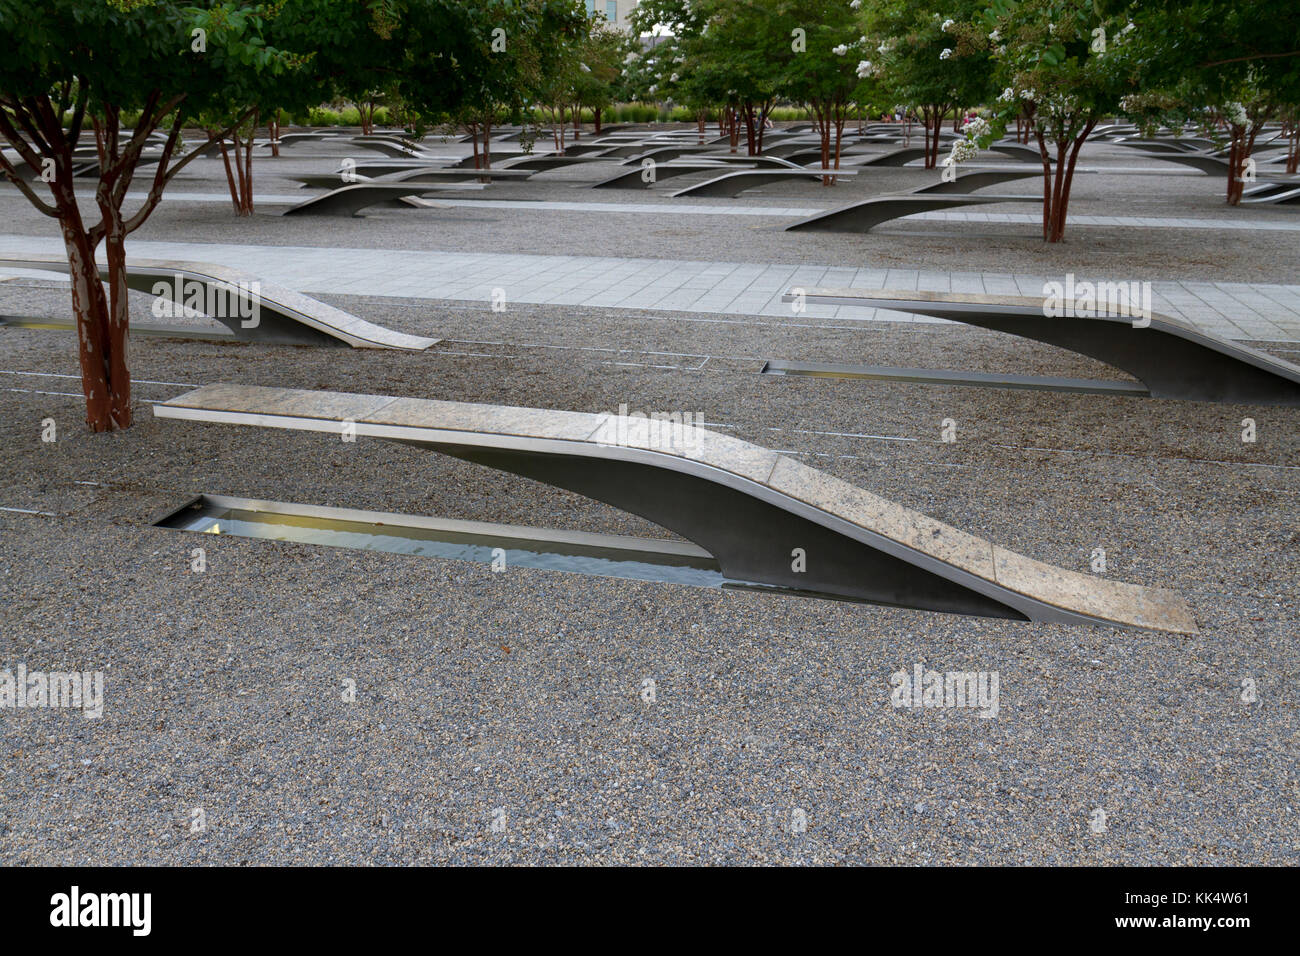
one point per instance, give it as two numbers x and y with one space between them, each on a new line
285 317
1171 358
749 507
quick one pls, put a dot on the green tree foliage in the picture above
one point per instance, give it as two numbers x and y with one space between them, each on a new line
916 58
1063 68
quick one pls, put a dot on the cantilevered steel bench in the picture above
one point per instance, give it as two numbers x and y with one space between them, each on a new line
408 175
285 317
351 199
1172 359
968 182
1210 165
866 215
733 184
633 178
748 507
541 164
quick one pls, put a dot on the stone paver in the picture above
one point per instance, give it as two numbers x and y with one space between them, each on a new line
1232 310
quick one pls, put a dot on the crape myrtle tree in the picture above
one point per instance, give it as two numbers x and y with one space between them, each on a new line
601 54
514 49
739 57
72 67
1063 67
660 70
1236 63
828 68
916 57
346 39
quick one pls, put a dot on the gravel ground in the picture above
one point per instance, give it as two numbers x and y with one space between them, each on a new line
517 697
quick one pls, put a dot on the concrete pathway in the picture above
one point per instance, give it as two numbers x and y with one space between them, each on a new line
1231 309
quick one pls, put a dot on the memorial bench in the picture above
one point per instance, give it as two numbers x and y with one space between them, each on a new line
284 317
733 184
750 508
1172 359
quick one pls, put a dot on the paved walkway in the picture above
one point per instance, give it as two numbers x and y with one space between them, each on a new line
1230 309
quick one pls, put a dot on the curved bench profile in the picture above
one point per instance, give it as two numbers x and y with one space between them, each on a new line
351 199
897 157
407 175
284 317
748 507
733 184
969 182
662 154
632 179
1273 193
866 215
1207 164
542 163
775 162
1171 358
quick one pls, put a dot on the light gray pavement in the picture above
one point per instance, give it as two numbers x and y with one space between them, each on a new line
1252 311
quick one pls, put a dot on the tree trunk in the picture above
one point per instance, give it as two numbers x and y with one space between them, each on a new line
90 306
273 131
1056 188
701 118
1242 145
239 174
595 115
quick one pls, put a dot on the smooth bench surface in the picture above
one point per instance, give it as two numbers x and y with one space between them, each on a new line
351 199
1172 359
634 179
746 505
866 215
733 184
966 183
285 317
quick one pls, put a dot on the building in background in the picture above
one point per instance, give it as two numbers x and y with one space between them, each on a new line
615 11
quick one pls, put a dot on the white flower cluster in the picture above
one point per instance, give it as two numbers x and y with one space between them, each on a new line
947 24
962 150
855 5
995 36
865 69
945 53
1236 114
840 50
976 127
1009 95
